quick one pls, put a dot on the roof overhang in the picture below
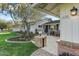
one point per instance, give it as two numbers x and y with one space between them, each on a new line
49 8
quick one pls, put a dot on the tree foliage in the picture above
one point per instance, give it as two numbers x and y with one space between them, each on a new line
23 12
3 24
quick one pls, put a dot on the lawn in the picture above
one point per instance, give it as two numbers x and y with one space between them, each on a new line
15 49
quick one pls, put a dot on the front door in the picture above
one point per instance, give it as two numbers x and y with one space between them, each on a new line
46 28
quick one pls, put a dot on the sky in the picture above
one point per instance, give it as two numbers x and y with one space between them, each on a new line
52 17
5 17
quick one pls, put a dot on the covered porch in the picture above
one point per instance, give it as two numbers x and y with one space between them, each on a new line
68 42
53 35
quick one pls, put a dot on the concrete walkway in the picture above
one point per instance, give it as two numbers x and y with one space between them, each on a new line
51 48
41 52
51 45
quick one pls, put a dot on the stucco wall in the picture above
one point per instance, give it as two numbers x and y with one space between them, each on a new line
69 25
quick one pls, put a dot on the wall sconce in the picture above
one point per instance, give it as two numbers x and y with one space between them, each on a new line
74 11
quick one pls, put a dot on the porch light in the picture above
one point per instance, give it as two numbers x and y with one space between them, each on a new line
74 11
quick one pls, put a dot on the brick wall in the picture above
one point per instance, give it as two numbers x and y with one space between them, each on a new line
39 41
68 47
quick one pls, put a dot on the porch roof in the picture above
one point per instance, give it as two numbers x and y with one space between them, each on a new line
52 22
49 8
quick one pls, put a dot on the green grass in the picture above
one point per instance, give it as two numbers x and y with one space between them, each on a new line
15 49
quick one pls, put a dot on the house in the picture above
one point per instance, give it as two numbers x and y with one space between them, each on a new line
38 25
69 25
52 27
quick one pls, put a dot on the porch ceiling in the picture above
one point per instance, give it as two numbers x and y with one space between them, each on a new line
49 8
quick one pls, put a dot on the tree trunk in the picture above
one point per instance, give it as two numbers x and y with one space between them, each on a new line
26 33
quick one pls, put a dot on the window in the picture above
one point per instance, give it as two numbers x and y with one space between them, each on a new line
39 26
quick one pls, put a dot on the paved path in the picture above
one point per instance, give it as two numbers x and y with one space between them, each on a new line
51 45
41 52
51 48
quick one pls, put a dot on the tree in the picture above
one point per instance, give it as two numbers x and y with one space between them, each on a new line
3 24
24 12
10 25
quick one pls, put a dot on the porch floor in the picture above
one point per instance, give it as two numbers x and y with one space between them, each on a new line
41 52
51 48
51 45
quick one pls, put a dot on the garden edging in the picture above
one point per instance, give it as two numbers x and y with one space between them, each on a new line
6 40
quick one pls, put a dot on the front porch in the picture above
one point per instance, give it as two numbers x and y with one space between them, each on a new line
67 44
51 48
